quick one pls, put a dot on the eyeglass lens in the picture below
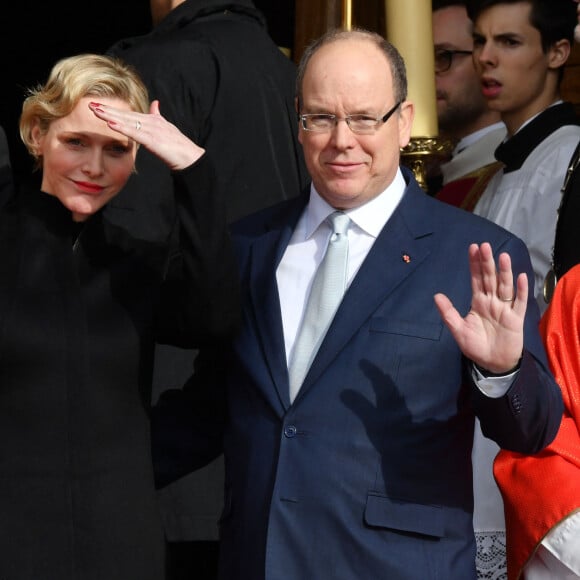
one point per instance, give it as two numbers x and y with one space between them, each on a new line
444 58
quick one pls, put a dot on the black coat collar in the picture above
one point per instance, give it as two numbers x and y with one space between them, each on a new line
515 150
188 12
191 10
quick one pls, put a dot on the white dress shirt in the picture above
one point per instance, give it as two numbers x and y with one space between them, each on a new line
306 250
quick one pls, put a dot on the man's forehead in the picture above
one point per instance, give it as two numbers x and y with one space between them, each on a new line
508 15
354 45
343 59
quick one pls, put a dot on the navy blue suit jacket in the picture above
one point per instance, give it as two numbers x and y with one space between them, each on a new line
368 473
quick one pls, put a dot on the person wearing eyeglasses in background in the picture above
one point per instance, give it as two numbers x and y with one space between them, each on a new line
464 116
462 112
359 465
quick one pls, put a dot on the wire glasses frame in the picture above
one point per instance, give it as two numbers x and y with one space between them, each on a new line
444 58
359 124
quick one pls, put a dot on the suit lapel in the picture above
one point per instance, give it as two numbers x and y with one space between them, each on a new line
265 255
403 244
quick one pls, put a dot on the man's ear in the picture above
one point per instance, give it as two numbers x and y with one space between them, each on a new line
405 119
558 53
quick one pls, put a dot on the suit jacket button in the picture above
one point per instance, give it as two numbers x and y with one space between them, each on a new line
290 431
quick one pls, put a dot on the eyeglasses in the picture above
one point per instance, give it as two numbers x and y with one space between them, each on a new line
444 59
359 124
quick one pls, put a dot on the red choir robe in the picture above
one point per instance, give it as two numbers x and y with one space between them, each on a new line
541 490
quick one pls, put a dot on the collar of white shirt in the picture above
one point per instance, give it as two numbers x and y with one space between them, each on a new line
370 217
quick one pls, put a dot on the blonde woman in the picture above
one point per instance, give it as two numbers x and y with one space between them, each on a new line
81 306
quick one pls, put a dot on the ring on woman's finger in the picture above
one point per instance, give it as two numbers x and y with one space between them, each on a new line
138 125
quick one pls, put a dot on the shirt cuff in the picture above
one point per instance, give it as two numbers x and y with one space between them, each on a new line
563 541
493 387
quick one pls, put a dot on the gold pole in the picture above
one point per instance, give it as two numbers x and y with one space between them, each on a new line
347 14
403 16
417 49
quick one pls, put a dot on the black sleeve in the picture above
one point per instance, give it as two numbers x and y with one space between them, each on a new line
200 297
567 241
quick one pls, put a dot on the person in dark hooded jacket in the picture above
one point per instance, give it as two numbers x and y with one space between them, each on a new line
226 84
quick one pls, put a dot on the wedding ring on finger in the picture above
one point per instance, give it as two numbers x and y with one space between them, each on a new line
507 299
138 125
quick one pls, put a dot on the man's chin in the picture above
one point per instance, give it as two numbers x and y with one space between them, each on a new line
343 197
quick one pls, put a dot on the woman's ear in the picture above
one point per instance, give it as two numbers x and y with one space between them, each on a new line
37 138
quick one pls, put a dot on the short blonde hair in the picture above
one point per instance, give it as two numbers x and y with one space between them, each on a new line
72 79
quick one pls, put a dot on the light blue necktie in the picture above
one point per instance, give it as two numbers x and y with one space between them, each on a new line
325 295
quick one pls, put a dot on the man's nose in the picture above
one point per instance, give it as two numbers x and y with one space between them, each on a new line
342 136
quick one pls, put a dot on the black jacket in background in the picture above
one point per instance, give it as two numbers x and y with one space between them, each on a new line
196 63
567 242
223 81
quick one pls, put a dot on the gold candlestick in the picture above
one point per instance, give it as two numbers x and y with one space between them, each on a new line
425 148
403 16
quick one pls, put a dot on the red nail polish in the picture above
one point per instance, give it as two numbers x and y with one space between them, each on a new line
96 107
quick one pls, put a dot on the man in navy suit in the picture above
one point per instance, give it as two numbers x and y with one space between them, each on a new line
365 472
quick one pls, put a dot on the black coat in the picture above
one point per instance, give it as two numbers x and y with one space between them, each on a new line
79 313
196 63
223 81
6 180
567 240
